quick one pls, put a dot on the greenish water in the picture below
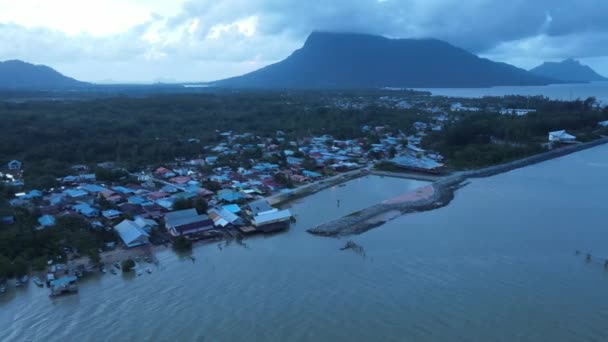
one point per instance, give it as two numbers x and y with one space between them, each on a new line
497 264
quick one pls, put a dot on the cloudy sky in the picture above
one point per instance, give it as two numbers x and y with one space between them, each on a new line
204 40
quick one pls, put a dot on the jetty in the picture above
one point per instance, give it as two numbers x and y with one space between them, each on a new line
433 196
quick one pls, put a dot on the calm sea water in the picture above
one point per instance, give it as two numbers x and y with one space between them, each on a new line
497 264
566 92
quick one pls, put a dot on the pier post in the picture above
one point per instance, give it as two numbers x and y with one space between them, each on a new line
588 258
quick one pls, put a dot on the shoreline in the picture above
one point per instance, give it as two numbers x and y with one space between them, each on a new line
434 196
314 187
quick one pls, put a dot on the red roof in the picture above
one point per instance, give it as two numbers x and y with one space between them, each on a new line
180 180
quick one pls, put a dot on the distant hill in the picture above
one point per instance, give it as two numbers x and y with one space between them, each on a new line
17 74
568 70
346 60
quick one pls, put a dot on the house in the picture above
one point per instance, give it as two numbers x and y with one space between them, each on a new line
85 210
14 165
603 123
561 136
111 214
46 221
268 219
146 224
229 196
187 222
75 193
131 234
424 164
222 217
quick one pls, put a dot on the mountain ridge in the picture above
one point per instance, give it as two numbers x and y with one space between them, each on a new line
354 60
17 74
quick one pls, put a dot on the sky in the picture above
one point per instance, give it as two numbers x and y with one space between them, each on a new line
204 40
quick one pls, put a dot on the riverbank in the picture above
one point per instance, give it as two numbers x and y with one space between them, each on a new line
431 197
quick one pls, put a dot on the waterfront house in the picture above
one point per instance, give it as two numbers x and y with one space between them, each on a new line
603 123
14 165
561 136
268 219
222 217
187 222
131 233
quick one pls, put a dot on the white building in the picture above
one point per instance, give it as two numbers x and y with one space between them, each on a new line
561 136
603 123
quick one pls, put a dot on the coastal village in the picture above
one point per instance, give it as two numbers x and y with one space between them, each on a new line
233 189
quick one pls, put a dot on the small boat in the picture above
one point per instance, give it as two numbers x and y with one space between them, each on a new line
18 283
139 273
117 265
113 271
25 279
103 269
37 281
149 270
2 288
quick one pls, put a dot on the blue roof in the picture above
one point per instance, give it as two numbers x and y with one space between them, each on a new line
85 209
93 188
75 192
229 195
111 212
136 200
419 163
123 190
233 208
46 220
63 281
311 174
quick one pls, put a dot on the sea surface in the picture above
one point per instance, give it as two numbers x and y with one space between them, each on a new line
497 264
567 92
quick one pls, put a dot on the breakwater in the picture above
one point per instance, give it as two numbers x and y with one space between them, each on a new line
434 196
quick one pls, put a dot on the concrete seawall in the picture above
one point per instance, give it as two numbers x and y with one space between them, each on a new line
434 196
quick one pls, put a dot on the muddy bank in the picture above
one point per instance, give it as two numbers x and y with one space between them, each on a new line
431 197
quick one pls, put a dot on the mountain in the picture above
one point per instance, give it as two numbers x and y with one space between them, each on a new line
348 60
568 70
17 74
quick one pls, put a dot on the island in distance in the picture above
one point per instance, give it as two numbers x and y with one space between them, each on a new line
569 70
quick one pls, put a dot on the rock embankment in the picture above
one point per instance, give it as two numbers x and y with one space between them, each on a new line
431 197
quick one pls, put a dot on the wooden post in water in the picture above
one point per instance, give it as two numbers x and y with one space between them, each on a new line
606 264
577 252
588 258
